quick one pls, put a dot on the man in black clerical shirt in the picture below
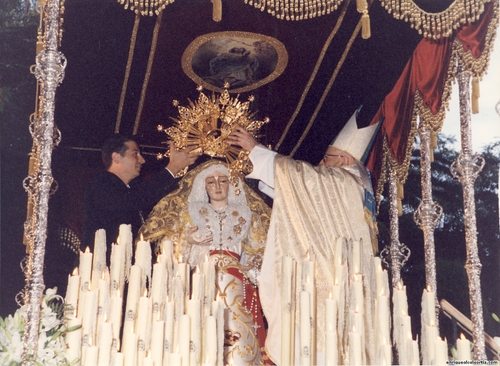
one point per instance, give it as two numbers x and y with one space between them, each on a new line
117 196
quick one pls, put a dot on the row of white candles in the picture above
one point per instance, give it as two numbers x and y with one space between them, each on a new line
100 314
307 322
434 348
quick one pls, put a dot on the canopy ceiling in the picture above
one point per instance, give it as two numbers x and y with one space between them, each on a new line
125 70
331 71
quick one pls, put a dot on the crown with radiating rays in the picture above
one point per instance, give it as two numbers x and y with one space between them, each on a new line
208 121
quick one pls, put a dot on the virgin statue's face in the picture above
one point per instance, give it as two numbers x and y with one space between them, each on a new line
217 186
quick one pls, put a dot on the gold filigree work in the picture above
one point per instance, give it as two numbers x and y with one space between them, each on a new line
208 122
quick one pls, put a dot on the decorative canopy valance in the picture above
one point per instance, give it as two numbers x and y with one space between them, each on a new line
429 24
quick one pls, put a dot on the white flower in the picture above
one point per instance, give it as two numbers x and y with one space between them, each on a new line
51 345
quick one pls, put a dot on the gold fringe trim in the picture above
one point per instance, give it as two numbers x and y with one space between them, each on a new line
436 25
478 66
217 10
295 10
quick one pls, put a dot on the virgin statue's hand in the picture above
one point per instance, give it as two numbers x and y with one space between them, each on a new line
196 237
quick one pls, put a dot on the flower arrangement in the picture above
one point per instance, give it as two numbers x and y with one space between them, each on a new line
51 332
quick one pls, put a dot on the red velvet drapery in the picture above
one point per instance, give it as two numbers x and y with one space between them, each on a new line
426 71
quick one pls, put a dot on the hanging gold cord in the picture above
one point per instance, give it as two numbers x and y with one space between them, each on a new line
133 40
314 73
436 25
328 87
152 52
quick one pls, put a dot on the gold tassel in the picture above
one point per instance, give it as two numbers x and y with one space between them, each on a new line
217 10
434 140
432 145
475 95
400 208
361 5
365 26
401 191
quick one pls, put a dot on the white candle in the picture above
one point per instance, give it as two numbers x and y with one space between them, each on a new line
218 313
415 355
85 269
197 280
209 287
441 352
400 300
356 256
386 357
143 256
175 359
339 242
184 324
73 339
169 327
357 286
118 359
130 350
355 348
383 324
72 292
103 303
210 341
117 268
194 309
166 247
286 308
90 356
89 316
429 349
134 290
125 235
379 276
331 348
157 339
339 274
143 322
148 361
184 270
115 317
331 314
105 341
330 332
99 260
305 328
463 349
428 307
159 287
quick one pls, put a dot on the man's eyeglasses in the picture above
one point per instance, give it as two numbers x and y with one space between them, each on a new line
326 156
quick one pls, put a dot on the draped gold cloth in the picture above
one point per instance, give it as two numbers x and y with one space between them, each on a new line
170 217
313 206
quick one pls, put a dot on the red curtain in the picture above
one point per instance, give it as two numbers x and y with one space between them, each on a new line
426 72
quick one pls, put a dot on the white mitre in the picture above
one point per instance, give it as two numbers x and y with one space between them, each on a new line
355 141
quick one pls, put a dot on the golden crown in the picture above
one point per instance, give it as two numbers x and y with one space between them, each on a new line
208 122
